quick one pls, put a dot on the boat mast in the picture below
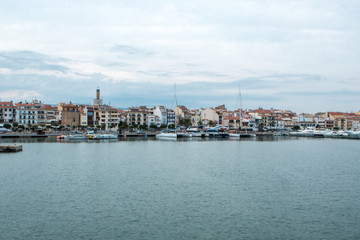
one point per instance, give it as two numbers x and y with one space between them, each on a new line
175 100
240 106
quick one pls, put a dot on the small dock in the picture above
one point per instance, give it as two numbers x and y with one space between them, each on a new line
10 148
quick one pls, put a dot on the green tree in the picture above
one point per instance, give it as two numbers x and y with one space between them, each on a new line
172 126
212 123
153 126
124 125
185 122
163 126
143 126
7 126
297 127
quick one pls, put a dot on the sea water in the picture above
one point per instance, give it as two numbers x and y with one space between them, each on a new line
292 188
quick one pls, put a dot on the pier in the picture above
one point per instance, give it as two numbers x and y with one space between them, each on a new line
11 148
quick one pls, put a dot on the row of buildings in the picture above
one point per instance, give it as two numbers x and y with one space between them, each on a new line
98 114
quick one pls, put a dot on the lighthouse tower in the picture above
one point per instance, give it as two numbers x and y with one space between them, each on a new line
98 100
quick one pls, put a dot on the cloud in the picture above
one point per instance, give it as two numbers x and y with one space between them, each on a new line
19 60
131 50
20 94
283 53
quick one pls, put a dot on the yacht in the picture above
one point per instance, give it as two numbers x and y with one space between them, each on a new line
354 134
77 137
234 135
166 135
184 135
105 136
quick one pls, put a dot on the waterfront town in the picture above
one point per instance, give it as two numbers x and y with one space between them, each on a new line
36 114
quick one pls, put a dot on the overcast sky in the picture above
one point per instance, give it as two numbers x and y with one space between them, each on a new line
297 55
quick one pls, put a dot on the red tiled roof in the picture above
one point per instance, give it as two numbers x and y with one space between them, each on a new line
6 103
233 118
182 107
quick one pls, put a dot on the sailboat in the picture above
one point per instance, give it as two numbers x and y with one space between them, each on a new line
169 135
237 135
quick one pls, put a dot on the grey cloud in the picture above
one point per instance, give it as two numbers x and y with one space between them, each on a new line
18 60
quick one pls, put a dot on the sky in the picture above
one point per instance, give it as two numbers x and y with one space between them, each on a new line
298 55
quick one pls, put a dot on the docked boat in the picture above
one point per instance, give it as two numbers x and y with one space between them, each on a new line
247 135
198 134
169 135
61 137
234 135
77 137
184 135
104 136
166 135
354 134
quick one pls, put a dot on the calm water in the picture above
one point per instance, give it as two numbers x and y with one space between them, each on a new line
287 189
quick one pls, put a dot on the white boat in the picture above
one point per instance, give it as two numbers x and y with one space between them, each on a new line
234 135
341 134
196 134
303 133
169 135
166 135
328 133
184 135
77 137
105 136
354 134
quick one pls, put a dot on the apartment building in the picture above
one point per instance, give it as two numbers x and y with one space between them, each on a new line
30 113
138 115
7 112
107 116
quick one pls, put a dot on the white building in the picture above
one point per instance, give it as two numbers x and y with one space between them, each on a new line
30 113
161 112
209 114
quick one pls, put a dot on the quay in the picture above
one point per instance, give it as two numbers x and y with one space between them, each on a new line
11 148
